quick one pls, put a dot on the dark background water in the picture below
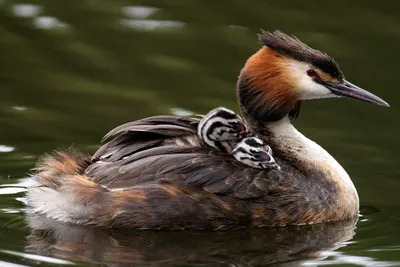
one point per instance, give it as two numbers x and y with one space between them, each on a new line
72 70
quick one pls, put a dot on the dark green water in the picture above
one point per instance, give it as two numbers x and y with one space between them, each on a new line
72 70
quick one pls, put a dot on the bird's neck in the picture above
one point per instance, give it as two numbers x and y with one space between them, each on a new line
267 104
293 145
309 158
263 88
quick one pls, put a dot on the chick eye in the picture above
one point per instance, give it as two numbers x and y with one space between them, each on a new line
267 149
312 73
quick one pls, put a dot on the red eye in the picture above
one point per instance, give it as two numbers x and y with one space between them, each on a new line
312 73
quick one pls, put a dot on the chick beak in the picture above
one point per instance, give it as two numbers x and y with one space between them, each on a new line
276 167
347 89
273 166
242 130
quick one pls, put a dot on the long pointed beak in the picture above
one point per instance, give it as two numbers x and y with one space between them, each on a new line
350 90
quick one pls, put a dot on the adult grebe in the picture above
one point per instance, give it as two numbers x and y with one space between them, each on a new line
157 173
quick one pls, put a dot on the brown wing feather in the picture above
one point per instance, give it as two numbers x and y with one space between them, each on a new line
139 155
144 158
135 136
125 145
196 167
162 125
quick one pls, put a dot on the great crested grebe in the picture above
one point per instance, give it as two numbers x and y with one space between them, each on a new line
224 130
156 172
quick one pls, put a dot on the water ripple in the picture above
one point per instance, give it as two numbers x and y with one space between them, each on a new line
139 11
5 149
151 24
26 10
181 112
341 258
47 22
9 264
37 257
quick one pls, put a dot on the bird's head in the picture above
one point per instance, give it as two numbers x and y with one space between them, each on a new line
286 71
253 152
221 126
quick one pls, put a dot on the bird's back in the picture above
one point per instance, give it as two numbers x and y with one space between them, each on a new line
157 173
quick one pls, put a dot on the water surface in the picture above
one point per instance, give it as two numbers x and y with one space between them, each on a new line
72 70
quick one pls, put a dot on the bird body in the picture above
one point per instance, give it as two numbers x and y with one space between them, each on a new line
158 173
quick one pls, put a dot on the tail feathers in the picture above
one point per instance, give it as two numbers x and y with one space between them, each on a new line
63 192
60 191
50 168
76 200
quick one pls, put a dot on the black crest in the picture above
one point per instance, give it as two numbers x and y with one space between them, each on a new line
292 47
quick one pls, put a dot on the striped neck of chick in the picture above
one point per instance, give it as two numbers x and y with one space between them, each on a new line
221 129
253 152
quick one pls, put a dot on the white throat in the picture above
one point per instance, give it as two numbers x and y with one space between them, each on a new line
286 138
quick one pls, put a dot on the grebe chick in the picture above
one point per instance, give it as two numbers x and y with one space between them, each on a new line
253 152
222 129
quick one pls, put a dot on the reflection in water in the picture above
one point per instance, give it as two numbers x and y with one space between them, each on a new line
19 108
26 10
287 246
42 22
181 112
137 17
139 11
4 148
32 257
147 24
46 22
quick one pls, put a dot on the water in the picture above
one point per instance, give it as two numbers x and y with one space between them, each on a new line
72 70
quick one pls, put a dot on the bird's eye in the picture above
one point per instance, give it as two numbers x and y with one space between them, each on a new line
268 149
312 73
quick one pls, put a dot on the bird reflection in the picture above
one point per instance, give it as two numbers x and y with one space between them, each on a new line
286 246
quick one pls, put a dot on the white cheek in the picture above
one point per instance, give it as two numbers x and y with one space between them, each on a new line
307 88
312 90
